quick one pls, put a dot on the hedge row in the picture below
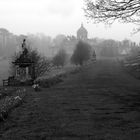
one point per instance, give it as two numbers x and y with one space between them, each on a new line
47 83
132 65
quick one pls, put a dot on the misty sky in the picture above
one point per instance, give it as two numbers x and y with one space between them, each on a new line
54 17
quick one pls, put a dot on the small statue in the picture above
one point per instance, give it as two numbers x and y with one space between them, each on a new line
25 51
24 44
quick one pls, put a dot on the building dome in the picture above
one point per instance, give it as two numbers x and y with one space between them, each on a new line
82 33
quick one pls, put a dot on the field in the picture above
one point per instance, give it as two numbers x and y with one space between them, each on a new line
100 101
4 70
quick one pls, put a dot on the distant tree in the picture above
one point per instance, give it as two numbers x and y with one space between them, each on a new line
11 45
109 48
134 51
60 58
41 42
81 53
71 39
109 51
4 34
59 40
110 10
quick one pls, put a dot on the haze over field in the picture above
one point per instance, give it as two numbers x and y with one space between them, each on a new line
63 77
54 17
52 25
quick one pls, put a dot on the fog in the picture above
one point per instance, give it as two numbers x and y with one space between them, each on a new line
53 17
52 25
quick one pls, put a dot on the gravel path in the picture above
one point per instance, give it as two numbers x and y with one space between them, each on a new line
101 102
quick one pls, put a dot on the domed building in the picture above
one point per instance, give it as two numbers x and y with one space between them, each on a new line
82 33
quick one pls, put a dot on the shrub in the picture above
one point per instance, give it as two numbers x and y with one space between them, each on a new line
81 53
60 58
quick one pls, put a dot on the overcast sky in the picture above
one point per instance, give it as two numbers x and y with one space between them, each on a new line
54 17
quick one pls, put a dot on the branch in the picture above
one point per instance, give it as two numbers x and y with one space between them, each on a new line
111 10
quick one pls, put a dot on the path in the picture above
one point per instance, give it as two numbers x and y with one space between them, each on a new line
101 102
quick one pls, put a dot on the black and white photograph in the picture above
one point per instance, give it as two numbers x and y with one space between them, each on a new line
69 69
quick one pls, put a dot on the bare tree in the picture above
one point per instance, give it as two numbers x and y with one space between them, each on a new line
127 11
41 63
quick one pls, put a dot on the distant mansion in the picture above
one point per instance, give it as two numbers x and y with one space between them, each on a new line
82 33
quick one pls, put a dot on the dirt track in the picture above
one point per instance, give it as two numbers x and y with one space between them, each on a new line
101 102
